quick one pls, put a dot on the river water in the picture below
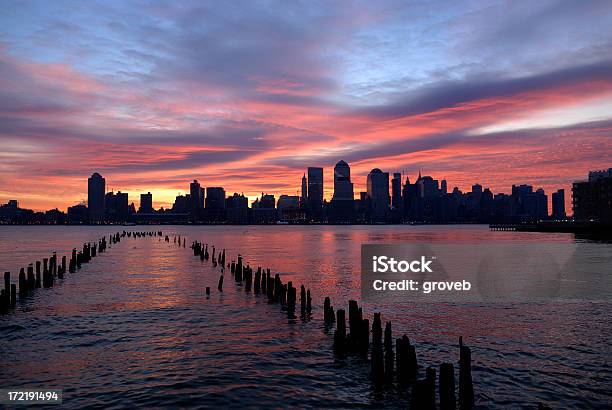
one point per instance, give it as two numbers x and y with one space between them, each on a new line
135 328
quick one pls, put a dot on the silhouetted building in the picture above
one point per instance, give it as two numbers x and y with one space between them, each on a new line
96 187
592 199
146 203
315 192
443 187
78 214
304 196
529 205
117 208
264 210
378 194
196 200
237 209
288 208
396 191
558 204
343 187
397 202
342 206
215 204
181 204
55 217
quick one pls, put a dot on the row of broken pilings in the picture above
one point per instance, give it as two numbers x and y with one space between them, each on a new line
259 281
45 273
401 365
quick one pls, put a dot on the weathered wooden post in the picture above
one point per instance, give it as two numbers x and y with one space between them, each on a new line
364 337
423 395
389 357
264 282
31 277
303 300
376 356
23 284
7 285
13 294
340 334
308 302
207 290
220 286
291 299
446 387
466 387
38 281
257 287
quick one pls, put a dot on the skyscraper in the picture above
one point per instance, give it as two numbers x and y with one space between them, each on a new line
196 195
146 203
396 191
96 187
315 191
343 187
343 202
121 206
378 194
304 196
215 204
558 204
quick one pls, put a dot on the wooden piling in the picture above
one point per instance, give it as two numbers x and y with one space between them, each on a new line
31 277
23 285
446 387
376 356
340 334
7 286
302 300
466 387
389 357
220 286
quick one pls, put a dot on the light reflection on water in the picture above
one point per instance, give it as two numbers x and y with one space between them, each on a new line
134 327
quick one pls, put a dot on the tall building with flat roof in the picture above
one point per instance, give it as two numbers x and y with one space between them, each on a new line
96 187
378 194
146 203
592 199
315 191
558 204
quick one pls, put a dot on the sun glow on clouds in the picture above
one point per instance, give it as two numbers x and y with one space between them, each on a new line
247 98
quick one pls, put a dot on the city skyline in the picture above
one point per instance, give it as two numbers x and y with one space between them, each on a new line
153 95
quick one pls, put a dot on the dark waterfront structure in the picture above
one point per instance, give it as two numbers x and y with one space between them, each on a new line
116 207
146 203
196 200
592 199
304 193
78 214
263 210
215 204
342 206
237 209
378 195
96 188
288 209
558 204
426 201
315 193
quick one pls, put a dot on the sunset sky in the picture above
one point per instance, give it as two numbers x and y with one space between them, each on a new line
247 94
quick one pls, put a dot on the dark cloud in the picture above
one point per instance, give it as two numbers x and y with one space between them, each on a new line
445 94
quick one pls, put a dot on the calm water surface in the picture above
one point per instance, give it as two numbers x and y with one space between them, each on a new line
134 327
